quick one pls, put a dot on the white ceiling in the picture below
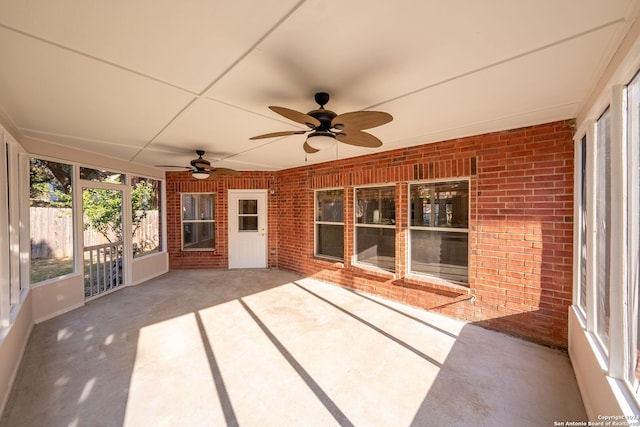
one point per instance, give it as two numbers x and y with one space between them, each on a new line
150 81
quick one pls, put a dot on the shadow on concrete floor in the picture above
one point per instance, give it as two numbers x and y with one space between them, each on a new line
268 347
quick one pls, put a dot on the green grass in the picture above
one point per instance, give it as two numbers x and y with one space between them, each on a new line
48 268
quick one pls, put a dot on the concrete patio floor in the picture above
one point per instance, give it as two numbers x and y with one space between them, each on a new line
270 348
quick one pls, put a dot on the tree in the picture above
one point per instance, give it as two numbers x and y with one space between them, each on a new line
50 183
102 209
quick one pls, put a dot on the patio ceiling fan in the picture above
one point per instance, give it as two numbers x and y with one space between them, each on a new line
326 127
201 168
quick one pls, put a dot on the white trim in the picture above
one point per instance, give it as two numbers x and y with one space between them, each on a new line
5 254
618 269
598 186
578 155
14 220
77 219
127 229
632 284
162 217
25 227
591 228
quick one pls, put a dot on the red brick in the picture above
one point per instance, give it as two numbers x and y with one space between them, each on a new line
520 238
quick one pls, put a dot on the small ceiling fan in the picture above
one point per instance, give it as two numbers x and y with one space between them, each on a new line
201 168
326 126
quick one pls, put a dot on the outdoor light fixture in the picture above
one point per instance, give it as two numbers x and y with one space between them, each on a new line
321 140
200 174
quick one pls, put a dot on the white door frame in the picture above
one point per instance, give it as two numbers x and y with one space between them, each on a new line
234 259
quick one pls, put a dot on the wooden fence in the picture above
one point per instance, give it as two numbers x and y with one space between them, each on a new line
52 232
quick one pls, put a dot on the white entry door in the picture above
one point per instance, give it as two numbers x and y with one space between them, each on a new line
247 228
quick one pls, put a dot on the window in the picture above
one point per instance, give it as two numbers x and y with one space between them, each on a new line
51 219
603 231
99 175
147 215
633 281
375 234
330 223
5 253
15 190
582 226
198 222
248 215
439 229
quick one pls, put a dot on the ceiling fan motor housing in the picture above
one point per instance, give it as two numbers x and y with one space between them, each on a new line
200 163
324 117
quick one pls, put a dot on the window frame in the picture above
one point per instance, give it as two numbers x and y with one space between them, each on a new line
604 341
122 177
615 355
581 225
198 221
631 294
411 228
14 232
357 225
73 219
160 196
5 253
317 223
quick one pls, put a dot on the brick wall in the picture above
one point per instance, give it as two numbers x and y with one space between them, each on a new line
182 182
520 231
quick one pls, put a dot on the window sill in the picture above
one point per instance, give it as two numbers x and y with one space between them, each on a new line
336 262
15 309
598 352
54 280
149 255
433 284
374 271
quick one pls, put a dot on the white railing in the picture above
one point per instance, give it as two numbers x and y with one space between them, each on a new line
103 266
